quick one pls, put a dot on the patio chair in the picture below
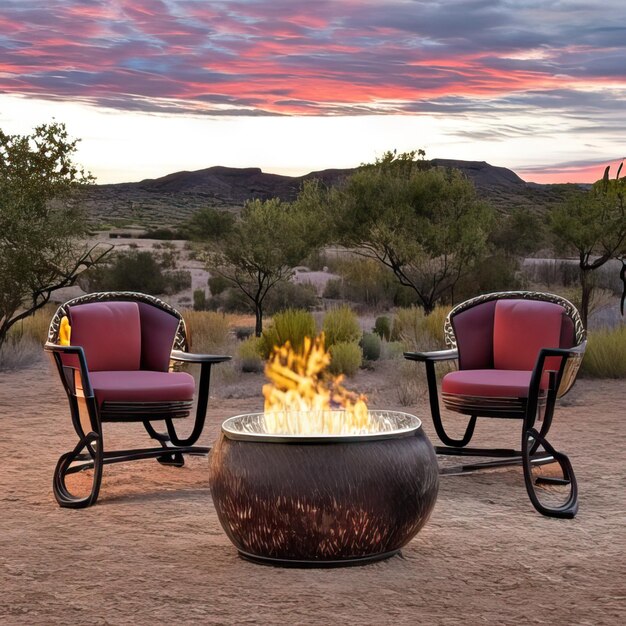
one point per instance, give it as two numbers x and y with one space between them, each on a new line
114 353
517 353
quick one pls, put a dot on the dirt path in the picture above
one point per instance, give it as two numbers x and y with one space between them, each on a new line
152 550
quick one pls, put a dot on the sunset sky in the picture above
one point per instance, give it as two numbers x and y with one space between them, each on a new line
156 86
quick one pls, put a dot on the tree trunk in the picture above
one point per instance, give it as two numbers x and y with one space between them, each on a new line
258 312
586 284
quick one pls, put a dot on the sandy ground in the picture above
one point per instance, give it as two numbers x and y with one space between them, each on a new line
152 551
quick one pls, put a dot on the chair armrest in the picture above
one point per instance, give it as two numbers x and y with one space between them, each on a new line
435 355
189 357
82 363
555 375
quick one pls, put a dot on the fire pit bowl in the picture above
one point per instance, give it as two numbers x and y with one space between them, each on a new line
323 500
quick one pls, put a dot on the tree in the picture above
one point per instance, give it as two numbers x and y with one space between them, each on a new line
592 224
264 245
41 224
209 223
425 223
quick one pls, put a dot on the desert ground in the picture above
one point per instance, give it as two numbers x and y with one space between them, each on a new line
152 551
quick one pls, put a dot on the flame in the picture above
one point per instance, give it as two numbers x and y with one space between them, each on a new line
302 398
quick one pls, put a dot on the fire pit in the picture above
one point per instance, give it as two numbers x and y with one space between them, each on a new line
318 499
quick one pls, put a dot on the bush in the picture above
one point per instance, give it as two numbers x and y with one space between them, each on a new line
127 271
249 355
370 342
382 327
341 325
292 325
333 289
243 332
418 331
23 345
289 295
499 272
345 358
199 300
366 281
162 233
177 281
391 350
433 325
605 354
207 331
218 284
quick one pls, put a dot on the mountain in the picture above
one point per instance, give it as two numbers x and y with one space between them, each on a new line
172 199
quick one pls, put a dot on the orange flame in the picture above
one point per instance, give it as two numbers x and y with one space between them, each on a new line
302 398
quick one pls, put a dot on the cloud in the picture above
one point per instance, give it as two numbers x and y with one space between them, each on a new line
290 57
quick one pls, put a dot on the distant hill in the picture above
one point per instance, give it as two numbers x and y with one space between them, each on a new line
172 199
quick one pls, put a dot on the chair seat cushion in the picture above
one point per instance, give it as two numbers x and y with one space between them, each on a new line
489 383
142 386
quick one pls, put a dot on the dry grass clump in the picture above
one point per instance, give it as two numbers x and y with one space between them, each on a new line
249 355
605 356
24 343
208 331
411 383
418 331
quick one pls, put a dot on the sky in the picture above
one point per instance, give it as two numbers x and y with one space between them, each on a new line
291 86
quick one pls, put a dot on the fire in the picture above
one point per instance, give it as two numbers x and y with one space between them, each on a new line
302 398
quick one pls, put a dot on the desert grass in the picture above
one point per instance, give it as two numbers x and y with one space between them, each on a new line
418 331
605 356
24 343
249 355
411 385
209 331
341 325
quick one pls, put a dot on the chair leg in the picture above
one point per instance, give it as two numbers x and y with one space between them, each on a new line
92 442
569 508
435 411
174 458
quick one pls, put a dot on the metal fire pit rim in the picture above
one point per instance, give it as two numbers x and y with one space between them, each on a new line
406 431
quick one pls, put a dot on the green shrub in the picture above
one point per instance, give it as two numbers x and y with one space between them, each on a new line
199 300
163 233
605 356
366 281
127 271
370 342
345 358
243 332
218 284
292 325
382 327
249 355
290 295
208 331
334 289
176 281
341 325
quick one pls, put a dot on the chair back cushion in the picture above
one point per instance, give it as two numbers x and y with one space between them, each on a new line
158 330
473 329
109 333
521 328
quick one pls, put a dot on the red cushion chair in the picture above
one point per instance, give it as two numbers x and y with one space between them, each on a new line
517 353
116 368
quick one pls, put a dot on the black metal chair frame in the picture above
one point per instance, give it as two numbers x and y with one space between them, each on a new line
536 407
89 452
